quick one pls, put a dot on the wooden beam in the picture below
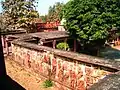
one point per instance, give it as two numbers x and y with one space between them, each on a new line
52 40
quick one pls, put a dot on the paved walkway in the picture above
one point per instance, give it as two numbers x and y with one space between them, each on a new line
112 53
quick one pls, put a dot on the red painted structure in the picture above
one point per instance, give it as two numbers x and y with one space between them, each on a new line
48 26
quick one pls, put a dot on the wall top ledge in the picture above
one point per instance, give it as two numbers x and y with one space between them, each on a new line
71 55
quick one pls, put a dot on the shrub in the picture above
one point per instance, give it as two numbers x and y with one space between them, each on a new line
63 46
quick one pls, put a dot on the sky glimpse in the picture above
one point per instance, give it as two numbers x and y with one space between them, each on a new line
43 5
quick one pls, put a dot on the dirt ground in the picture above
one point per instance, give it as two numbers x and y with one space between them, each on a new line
24 78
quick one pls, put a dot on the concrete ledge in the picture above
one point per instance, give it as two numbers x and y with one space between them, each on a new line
110 82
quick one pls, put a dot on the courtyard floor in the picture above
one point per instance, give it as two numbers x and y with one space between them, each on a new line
111 53
24 78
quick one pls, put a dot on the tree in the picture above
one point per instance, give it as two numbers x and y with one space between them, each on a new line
4 22
43 18
19 13
54 12
89 21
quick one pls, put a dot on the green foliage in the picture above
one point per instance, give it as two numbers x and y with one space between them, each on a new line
54 12
62 46
48 83
3 20
44 18
19 13
90 21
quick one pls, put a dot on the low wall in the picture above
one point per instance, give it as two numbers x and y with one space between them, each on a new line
69 70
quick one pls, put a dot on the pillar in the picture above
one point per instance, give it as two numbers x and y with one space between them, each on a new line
54 44
7 48
65 40
74 45
2 62
2 39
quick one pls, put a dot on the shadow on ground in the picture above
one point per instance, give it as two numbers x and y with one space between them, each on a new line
6 83
110 53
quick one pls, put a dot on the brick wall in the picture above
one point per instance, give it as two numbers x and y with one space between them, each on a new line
49 26
68 73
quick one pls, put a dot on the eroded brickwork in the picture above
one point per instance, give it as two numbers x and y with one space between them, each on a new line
68 72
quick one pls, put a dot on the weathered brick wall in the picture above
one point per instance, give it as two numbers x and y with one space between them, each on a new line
67 72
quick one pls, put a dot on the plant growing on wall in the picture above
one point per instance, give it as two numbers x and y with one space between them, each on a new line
48 83
63 46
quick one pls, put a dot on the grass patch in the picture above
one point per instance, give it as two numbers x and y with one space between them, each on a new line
47 83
